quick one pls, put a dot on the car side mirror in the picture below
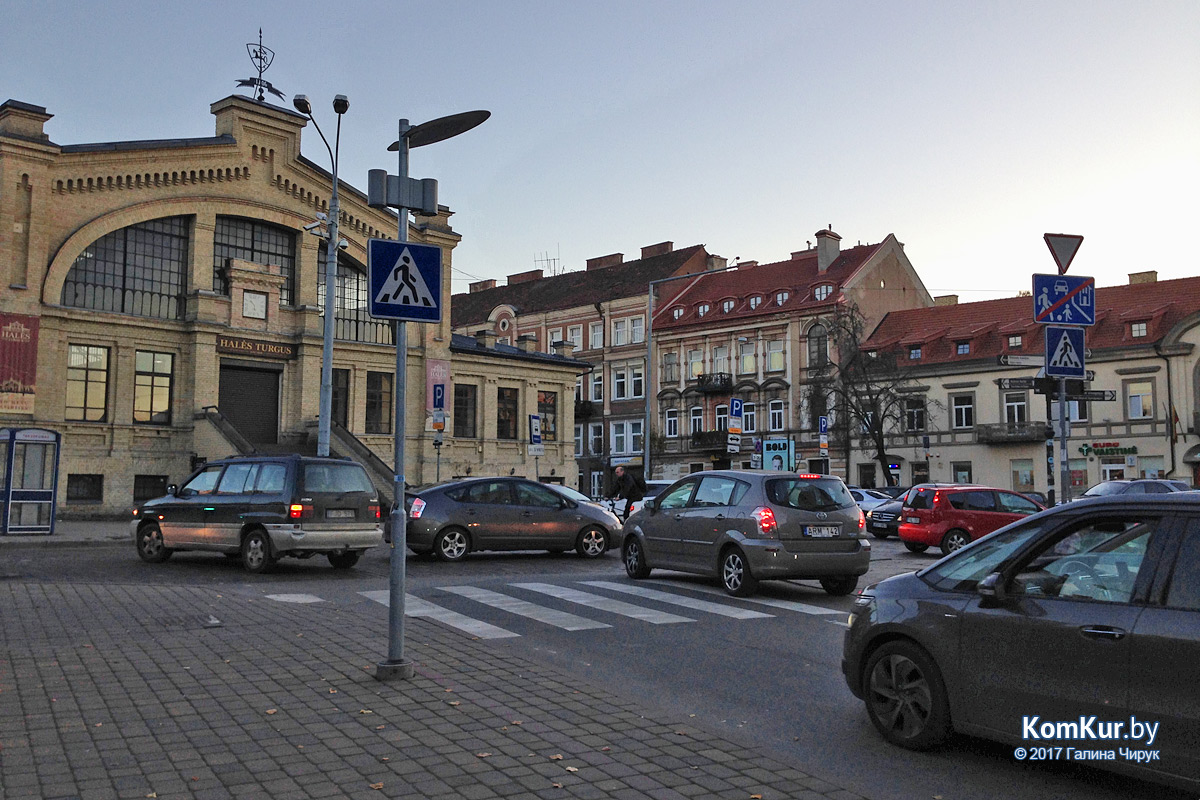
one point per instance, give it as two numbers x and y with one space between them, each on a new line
991 590
650 505
172 488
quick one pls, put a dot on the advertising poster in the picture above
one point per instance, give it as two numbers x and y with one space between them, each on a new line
18 362
778 454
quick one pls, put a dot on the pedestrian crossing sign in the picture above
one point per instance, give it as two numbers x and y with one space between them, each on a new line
1064 352
405 280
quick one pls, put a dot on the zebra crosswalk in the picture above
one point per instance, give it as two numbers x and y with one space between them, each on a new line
590 605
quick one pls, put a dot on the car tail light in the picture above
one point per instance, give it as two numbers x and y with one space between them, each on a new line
809 477
937 499
862 520
299 511
418 508
373 510
766 520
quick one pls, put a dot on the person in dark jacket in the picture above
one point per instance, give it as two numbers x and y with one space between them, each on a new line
628 486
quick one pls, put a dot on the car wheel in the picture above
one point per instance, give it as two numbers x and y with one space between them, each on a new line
344 560
635 559
880 534
953 540
451 545
905 696
592 543
916 547
735 574
150 544
256 552
840 586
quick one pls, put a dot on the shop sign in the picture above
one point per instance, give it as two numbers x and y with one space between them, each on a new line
255 347
1107 449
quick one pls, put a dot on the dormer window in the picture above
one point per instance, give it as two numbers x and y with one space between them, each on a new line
726 306
963 348
1014 343
676 313
781 298
1137 329
914 353
755 301
823 291
702 309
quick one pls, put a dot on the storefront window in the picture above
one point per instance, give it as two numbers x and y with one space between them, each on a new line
1022 474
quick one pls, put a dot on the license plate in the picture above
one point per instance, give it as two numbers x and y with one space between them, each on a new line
339 513
822 531
878 526
913 520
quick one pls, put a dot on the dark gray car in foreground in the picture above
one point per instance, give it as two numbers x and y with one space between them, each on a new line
748 526
453 519
1073 634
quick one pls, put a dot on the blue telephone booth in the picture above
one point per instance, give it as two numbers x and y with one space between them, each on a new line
29 460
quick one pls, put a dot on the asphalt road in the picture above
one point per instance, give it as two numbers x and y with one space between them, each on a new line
769 678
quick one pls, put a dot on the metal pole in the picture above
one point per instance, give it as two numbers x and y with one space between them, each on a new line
1050 453
1064 473
325 409
396 665
649 386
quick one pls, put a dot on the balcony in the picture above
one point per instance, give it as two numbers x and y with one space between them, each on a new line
584 409
715 383
1012 433
710 440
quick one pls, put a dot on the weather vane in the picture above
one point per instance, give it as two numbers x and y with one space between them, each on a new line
261 57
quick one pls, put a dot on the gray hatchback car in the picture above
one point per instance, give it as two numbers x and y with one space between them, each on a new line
747 526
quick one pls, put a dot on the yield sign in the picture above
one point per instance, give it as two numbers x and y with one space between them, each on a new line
1063 246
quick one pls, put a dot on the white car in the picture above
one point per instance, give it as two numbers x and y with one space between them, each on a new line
867 499
617 505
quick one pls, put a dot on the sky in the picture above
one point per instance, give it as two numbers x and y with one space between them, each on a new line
968 130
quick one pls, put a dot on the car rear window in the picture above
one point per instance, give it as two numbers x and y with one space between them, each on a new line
808 494
336 478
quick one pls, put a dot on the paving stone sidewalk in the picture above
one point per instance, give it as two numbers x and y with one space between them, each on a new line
136 691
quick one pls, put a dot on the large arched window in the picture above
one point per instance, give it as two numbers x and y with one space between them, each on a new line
353 321
138 270
818 347
260 242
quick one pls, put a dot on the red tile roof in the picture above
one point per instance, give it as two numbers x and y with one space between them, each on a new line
798 276
988 325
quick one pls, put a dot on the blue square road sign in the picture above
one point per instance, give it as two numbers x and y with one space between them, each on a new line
405 280
1064 353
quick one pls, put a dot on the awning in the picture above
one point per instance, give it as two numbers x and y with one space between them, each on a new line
1192 456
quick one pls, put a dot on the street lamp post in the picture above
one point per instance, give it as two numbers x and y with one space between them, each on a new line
325 411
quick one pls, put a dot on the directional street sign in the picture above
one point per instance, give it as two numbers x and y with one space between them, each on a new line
1016 383
734 442
1020 361
1095 395
405 280
1064 300
1063 246
1064 352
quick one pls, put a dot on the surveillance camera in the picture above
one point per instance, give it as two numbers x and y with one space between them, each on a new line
321 215
312 226
343 245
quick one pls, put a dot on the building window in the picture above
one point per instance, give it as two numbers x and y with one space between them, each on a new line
914 413
596 332
727 306
597 487
578 388
1016 410
379 402
746 358
818 406
671 427
598 386
960 471
554 336
548 411
575 336
619 383
722 413
963 406
914 353
624 439
962 348
578 440
506 413
464 410
148 487
676 313
776 358
749 418
627 382
775 415
1022 474
260 242
1077 410
620 334
818 347
141 270
352 321
85 488
1137 329
695 363
823 291
1139 401
670 368
596 435
781 297
637 330
696 419
340 406
153 376
1014 343
87 383
755 301
721 359
702 309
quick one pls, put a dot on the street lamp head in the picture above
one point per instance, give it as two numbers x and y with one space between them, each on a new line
341 104
302 105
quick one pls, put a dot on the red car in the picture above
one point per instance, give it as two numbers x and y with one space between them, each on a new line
953 515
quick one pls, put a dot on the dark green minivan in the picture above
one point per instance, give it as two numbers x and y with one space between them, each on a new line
263 508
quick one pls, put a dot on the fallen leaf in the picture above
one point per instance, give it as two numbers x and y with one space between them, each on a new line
556 785
380 727
98 724
152 794
556 757
756 797
572 769
365 711
376 785
482 755
516 722
681 733
272 710
605 749
333 691
385 758
455 703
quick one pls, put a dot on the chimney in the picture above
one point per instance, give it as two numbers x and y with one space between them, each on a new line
946 300
662 248
827 249
1149 276
746 264
600 262
564 349
527 342
522 277
485 338
482 286
23 120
